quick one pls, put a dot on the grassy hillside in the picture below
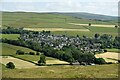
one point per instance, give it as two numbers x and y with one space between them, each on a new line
29 19
8 49
91 16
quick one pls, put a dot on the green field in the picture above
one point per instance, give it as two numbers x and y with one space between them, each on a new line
10 36
98 71
113 50
8 49
33 57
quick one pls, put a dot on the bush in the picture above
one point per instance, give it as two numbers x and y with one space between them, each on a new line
10 65
105 50
99 61
19 52
37 53
31 53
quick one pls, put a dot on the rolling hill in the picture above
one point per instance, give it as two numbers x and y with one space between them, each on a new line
30 19
91 16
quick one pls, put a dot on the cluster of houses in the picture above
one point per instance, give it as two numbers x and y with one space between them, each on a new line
59 41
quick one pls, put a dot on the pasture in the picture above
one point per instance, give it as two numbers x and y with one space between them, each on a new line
9 36
8 49
113 50
109 56
20 64
35 58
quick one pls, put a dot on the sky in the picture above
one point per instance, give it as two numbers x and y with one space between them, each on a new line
105 7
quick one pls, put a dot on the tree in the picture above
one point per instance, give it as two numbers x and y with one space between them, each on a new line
42 60
37 53
99 61
86 57
31 53
89 24
19 52
96 36
116 26
10 65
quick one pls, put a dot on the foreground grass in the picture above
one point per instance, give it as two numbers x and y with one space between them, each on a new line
98 71
10 36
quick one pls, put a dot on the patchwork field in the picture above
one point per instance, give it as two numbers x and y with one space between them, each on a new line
59 24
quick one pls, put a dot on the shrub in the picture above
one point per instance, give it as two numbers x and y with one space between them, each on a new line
37 53
99 61
105 50
10 65
31 53
19 52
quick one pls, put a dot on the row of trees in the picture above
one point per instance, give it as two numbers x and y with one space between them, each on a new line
20 52
11 30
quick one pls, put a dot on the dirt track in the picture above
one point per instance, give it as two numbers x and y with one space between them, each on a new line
96 25
20 64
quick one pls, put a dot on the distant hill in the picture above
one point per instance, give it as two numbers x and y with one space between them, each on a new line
53 19
91 16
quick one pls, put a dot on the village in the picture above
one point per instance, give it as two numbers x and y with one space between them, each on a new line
59 41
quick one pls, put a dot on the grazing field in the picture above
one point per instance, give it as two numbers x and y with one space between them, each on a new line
64 71
109 56
35 58
20 64
8 49
10 36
